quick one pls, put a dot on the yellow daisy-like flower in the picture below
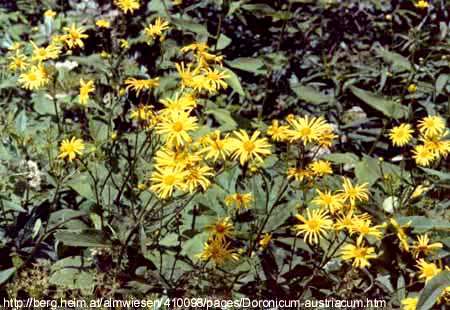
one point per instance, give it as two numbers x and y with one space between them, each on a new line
364 228
314 226
143 114
195 47
18 62
422 246
423 155
178 104
34 78
102 23
359 254
85 89
437 144
52 51
127 5
218 251
216 78
329 201
74 36
123 43
278 132
186 74
421 4
156 29
321 167
427 270
345 221
239 200
401 135
166 180
50 13
176 128
71 148
354 193
198 177
431 125
410 303
307 129
401 234
139 85
179 158
216 147
419 191
298 174
248 148
265 240
221 229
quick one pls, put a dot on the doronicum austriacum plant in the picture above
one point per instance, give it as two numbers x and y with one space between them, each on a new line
290 150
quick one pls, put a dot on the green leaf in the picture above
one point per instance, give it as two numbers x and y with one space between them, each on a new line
443 176
21 122
399 63
421 224
280 215
367 170
389 108
192 26
194 246
6 274
84 238
223 41
248 64
234 82
441 82
310 94
82 186
433 290
169 240
342 158
223 116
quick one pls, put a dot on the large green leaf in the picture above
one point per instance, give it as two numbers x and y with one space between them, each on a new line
6 274
84 238
389 108
399 62
248 64
234 82
310 94
433 290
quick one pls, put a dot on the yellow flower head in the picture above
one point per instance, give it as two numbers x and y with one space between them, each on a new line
221 229
307 129
85 89
315 225
401 135
127 5
354 193
218 251
52 51
239 200
102 23
176 128
248 148
332 202
423 155
156 29
165 181
71 148
18 62
216 147
50 13
421 4
265 240
299 174
410 303
74 36
278 132
401 234
431 126
139 85
198 177
123 43
422 246
359 253
36 77
215 78
427 270
321 167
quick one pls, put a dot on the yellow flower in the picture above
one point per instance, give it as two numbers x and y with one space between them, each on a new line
277 132
52 51
156 29
105 55
423 155
421 4
71 148
186 74
50 13
354 193
307 129
298 173
85 90
401 235
124 44
427 270
321 167
422 246
167 180
314 226
176 128
239 200
178 104
412 88
196 47
127 5
248 148
113 136
216 147
437 144
410 303
198 176
143 113
419 191
345 221
179 158
18 62
431 126
216 78
74 36
15 46
363 228
139 85
102 23
329 201
401 135
359 254
218 251
34 78
265 240
221 229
